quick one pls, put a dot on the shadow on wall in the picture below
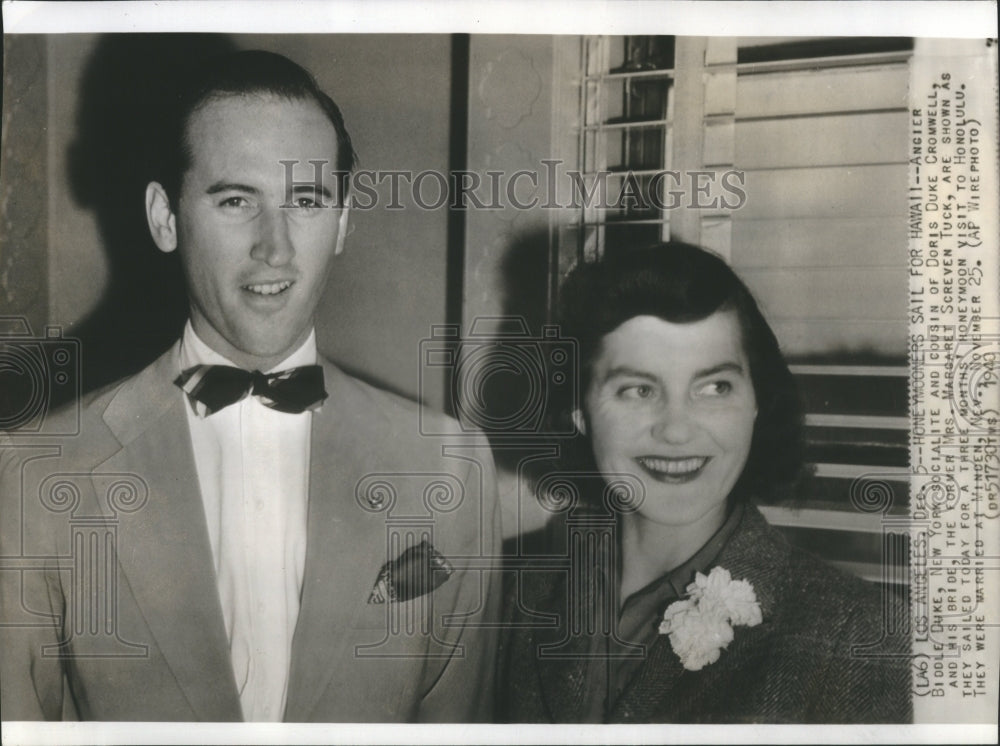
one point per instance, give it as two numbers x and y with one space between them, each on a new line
128 87
517 388
532 377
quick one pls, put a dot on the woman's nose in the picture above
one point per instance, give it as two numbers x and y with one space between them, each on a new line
673 423
273 243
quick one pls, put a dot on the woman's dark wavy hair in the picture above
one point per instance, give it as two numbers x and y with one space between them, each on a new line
245 73
681 283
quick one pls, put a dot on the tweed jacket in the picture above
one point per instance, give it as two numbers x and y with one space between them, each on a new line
108 598
830 649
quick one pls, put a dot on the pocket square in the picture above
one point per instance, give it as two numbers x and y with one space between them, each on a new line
418 570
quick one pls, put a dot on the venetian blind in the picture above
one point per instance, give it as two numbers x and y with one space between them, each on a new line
817 129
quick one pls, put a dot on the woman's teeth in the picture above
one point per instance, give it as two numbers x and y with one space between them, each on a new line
269 289
674 467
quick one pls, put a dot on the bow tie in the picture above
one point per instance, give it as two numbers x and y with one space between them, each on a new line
217 386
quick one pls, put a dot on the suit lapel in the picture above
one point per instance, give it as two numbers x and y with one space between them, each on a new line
561 659
648 696
343 542
163 548
663 691
567 656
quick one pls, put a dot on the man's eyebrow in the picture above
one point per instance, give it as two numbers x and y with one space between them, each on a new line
318 187
229 186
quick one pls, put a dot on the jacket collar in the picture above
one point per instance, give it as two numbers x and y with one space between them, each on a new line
581 601
143 399
350 436
163 547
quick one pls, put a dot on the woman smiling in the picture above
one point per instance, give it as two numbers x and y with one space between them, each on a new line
681 604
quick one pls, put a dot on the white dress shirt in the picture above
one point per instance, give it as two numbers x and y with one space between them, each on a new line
253 469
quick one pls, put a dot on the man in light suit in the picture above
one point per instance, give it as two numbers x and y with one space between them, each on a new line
241 531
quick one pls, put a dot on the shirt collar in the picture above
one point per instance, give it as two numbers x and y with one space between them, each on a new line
674 584
702 560
194 351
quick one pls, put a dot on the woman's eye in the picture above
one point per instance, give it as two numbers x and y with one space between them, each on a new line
715 388
636 391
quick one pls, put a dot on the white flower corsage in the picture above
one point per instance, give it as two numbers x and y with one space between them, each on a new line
701 625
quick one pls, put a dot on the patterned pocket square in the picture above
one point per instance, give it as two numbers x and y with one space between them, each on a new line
418 570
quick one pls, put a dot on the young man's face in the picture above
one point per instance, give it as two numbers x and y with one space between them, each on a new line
255 270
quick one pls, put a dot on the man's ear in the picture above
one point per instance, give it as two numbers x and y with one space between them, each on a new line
580 421
161 219
342 225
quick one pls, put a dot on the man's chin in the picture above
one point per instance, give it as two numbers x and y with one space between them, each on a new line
256 354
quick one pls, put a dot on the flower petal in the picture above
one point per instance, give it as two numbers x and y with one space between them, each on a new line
700 627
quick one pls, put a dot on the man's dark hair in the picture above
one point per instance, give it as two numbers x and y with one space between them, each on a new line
681 283
246 73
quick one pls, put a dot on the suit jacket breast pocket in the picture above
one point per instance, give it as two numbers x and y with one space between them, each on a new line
412 617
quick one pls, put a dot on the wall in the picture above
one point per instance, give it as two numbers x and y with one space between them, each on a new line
23 246
508 252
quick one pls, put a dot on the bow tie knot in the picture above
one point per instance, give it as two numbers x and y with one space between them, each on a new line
217 386
259 383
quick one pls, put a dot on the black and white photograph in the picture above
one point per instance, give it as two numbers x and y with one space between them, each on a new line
446 373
